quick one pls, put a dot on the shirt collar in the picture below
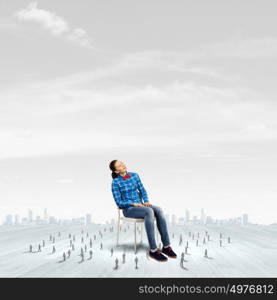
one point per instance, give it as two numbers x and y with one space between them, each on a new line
124 175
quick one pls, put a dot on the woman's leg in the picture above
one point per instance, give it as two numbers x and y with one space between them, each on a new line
161 224
146 213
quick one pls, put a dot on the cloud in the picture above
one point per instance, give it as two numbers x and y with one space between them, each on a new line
54 24
238 47
69 118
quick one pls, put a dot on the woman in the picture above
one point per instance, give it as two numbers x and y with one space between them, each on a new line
128 192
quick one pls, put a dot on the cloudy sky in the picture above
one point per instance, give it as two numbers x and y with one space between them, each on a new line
184 92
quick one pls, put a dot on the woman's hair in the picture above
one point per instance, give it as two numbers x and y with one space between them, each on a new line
112 167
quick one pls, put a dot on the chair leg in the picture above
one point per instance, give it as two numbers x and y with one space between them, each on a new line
135 237
141 228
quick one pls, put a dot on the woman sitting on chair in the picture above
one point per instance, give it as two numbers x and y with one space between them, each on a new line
128 191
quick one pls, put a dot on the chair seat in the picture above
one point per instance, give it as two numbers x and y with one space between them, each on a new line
132 219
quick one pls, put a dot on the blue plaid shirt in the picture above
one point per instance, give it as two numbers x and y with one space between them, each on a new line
128 191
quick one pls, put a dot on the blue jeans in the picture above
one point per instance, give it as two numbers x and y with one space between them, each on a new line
148 213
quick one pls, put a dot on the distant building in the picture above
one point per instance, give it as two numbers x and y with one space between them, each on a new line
30 216
9 220
203 216
88 219
245 219
52 220
38 220
173 219
78 221
187 215
209 220
195 220
45 216
24 221
181 221
16 219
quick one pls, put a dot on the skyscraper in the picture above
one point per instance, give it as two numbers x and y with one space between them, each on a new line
245 219
187 215
203 216
88 219
30 216
45 216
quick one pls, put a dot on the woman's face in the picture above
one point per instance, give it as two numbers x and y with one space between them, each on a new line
120 167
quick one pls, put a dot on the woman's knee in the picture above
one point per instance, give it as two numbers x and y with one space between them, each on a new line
149 211
158 209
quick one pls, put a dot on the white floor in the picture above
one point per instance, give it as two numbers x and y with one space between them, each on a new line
251 253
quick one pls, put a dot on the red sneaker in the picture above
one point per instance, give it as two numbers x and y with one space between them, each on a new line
157 255
169 252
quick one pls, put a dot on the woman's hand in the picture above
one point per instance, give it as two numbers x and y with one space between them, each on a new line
146 204
137 204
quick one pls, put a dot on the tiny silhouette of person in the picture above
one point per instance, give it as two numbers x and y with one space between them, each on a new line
53 249
220 242
101 246
53 240
136 261
64 257
90 254
74 238
206 253
82 240
31 248
68 253
70 243
39 248
204 241
85 248
197 242
87 235
69 236
187 244
116 264
82 251
111 251
90 243
198 234
182 260
123 258
73 247
186 250
229 240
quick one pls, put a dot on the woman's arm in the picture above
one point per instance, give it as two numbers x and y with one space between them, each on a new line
142 190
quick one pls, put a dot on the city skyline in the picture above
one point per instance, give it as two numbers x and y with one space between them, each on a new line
31 219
